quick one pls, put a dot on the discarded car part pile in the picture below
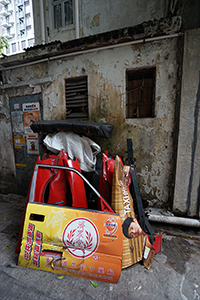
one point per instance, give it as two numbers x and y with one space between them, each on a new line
62 232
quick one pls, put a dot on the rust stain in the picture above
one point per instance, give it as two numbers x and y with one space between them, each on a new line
95 21
137 47
81 32
2 116
40 71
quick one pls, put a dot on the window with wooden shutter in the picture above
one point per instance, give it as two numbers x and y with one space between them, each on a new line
140 93
76 91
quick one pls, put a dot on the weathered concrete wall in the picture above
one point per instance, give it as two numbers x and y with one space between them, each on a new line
101 16
7 162
188 10
96 17
21 82
187 197
106 69
106 15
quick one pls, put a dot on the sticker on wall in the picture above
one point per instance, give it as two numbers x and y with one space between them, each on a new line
17 121
31 113
16 106
32 143
19 142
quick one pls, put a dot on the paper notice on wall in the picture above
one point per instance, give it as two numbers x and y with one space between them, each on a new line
17 121
32 143
31 113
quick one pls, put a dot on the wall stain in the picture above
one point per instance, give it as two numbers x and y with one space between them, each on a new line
95 21
194 145
2 116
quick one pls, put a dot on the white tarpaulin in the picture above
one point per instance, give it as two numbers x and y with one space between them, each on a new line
81 147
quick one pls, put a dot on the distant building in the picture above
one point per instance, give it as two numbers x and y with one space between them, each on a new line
16 24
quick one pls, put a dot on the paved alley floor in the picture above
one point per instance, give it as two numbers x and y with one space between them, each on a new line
174 274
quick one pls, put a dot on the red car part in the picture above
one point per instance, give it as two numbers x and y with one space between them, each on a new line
52 167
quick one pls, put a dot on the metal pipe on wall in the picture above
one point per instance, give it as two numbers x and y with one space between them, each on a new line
76 19
42 21
174 220
144 40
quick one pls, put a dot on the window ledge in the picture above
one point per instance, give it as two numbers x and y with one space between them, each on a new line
61 29
144 121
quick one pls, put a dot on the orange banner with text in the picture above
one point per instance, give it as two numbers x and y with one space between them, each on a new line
69 241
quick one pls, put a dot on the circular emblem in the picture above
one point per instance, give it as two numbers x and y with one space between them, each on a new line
81 238
111 225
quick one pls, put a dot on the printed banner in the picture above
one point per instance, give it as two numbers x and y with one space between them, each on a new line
73 242
136 246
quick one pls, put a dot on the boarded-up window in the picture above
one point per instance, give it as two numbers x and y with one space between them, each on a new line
76 92
140 93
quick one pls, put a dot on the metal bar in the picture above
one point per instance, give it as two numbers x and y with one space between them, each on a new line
139 103
104 203
144 40
69 169
73 105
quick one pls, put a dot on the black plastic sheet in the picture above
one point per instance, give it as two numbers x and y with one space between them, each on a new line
79 127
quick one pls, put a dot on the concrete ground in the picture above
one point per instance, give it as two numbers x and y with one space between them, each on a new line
174 274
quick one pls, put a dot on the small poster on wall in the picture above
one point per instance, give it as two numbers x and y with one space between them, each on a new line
32 143
17 121
31 113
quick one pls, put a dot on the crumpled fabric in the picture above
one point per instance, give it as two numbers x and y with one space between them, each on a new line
81 147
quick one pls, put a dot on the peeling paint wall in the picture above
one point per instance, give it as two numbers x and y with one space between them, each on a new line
187 185
106 70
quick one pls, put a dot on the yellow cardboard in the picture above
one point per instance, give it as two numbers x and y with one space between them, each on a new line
69 241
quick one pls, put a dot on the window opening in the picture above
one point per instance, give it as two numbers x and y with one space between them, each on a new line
14 47
23 44
8 50
30 42
62 13
68 13
57 16
76 91
140 93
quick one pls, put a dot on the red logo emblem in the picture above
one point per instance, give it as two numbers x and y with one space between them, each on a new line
111 225
81 238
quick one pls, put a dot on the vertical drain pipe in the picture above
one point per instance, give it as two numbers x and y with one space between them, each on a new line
76 18
42 22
